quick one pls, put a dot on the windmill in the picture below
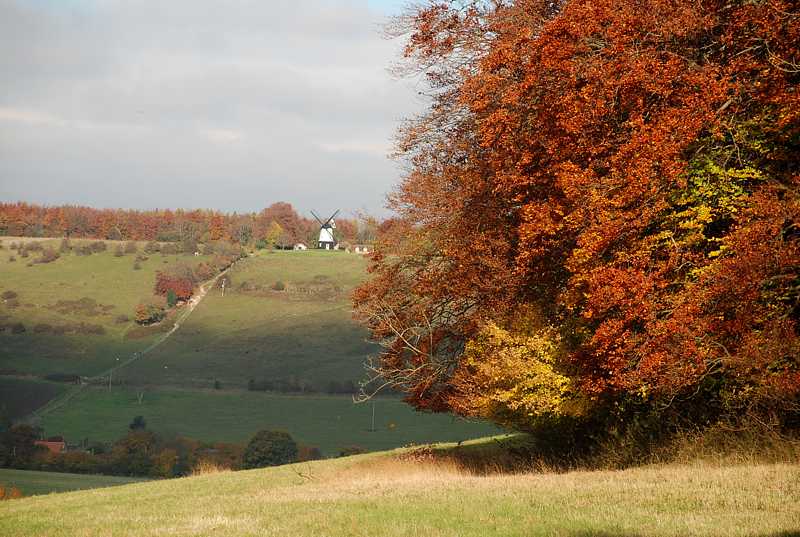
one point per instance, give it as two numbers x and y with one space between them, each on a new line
326 238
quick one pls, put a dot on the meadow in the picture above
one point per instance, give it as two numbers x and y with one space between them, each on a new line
328 422
32 483
100 289
303 333
389 494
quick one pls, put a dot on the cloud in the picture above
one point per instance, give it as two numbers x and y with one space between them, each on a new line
143 103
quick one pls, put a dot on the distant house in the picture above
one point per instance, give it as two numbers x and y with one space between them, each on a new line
300 246
54 446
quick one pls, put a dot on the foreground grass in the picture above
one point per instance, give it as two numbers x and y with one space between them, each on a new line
383 495
328 422
33 483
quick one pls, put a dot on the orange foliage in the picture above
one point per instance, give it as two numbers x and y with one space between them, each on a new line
629 167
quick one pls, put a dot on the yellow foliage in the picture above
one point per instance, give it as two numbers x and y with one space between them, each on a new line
510 376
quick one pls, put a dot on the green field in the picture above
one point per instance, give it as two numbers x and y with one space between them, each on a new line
383 495
108 280
284 317
328 422
304 333
34 483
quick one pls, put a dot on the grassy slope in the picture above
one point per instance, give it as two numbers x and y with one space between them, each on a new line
34 483
381 495
266 334
20 397
107 279
324 421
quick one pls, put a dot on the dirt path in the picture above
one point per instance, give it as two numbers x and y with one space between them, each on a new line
63 399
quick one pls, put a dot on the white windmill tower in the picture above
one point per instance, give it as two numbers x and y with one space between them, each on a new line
326 239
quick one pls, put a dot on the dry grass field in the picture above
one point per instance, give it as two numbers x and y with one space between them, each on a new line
388 494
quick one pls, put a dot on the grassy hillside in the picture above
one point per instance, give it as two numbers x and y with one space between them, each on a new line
94 290
384 495
328 422
302 333
34 483
19 397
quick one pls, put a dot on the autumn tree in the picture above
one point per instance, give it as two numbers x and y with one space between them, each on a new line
625 170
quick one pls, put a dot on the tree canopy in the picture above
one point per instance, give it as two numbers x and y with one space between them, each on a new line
601 206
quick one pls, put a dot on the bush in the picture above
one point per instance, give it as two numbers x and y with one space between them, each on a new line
12 259
122 319
17 328
170 249
152 247
130 247
48 255
137 265
118 251
83 250
98 246
278 286
8 295
172 299
150 312
351 450
270 448
65 246
308 453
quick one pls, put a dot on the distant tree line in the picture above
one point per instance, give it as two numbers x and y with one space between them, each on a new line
141 452
279 225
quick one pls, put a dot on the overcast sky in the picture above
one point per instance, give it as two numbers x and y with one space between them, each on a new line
199 104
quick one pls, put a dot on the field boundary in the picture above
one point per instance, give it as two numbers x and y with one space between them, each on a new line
60 401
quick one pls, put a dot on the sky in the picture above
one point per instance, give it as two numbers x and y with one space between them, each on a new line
200 104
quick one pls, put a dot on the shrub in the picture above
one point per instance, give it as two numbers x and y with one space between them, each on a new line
152 247
270 448
172 299
23 252
118 251
65 246
308 453
130 247
83 250
278 286
347 451
14 246
122 319
48 255
170 248
9 294
12 259
137 265
150 312
9 493
98 246
137 423
17 328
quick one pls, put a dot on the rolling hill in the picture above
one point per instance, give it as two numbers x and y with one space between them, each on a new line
278 349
